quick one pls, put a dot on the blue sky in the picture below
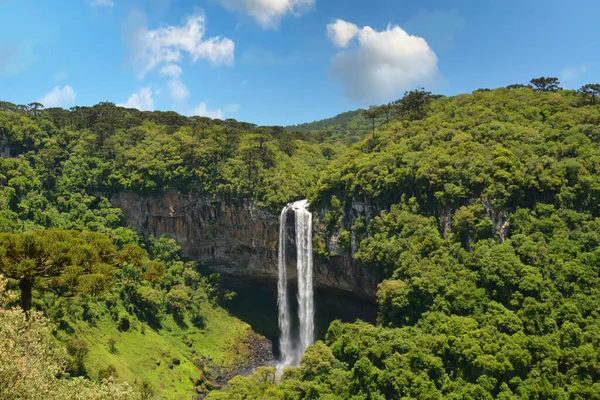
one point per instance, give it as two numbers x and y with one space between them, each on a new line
279 62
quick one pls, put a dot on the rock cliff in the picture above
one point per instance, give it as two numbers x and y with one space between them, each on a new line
233 239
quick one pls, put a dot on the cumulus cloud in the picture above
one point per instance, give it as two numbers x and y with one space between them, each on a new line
268 13
141 100
58 97
381 65
570 73
171 70
102 3
202 110
167 45
178 90
342 32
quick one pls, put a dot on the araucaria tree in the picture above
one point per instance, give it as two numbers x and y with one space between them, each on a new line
414 104
590 92
83 260
372 113
544 84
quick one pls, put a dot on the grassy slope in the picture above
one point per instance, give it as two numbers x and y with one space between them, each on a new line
147 354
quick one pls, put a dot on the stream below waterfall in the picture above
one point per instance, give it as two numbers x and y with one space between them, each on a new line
256 304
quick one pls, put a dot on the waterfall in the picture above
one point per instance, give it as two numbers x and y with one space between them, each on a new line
304 261
291 354
285 335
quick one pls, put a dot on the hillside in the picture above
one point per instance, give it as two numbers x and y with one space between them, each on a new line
143 315
349 127
479 212
483 215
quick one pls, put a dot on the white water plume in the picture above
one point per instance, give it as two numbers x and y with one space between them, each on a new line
285 335
290 353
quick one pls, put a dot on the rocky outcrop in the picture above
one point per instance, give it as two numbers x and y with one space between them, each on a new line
233 239
246 353
5 149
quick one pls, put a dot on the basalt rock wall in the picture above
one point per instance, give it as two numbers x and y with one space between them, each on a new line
234 239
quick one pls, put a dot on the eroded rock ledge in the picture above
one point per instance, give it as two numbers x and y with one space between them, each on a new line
232 239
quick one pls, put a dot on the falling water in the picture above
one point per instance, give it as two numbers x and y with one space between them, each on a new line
304 261
291 354
285 336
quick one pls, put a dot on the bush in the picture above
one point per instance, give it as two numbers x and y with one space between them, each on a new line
110 372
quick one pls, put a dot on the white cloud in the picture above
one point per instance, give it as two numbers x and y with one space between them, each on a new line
171 70
167 45
58 97
141 100
102 3
178 90
268 13
219 113
202 110
573 72
383 64
342 32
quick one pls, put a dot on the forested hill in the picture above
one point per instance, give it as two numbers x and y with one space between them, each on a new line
349 127
487 232
122 306
480 211
106 148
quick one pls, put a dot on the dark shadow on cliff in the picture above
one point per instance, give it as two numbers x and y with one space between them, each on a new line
256 304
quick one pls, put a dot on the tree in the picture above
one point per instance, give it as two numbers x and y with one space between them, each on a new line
590 92
31 256
544 84
387 109
35 109
372 113
414 104
32 366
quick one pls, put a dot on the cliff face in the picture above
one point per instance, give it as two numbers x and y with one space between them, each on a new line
233 239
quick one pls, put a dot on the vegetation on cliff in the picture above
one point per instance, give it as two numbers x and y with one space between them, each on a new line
488 236
59 154
481 211
126 306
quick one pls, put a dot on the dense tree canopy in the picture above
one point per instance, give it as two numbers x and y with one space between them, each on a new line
105 148
481 213
33 367
83 261
483 217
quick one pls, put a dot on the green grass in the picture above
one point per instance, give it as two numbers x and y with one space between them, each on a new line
148 354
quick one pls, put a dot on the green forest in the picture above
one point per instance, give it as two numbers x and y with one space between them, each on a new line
486 236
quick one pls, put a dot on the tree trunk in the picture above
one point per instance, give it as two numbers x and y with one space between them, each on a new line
373 129
26 286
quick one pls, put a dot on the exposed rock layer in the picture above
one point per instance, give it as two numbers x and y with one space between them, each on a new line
233 239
